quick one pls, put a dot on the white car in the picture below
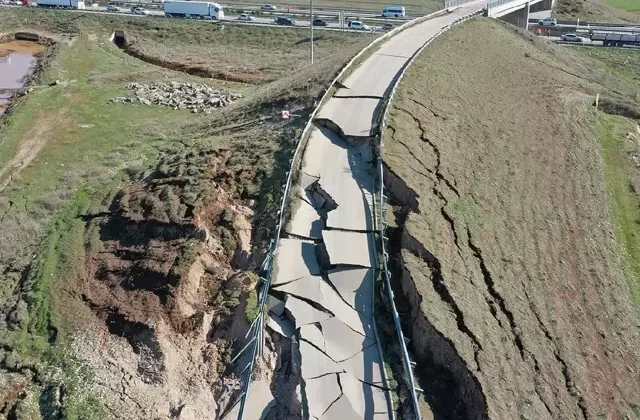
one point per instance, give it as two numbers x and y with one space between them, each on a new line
571 38
157 1
245 17
548 22
357 25
268 7
112 9
140 11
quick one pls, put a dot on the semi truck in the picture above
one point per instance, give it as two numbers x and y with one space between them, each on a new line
616 40
62 4
193 10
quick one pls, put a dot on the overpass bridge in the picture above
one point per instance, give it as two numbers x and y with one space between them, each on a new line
517 12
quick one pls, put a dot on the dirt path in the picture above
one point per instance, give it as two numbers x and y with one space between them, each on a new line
36 139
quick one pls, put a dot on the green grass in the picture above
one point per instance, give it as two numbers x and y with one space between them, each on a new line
252 310
622 64
619 173
627 5
88 148
252 52
85 140
57 258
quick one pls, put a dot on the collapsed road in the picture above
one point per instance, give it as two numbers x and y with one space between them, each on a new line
321 296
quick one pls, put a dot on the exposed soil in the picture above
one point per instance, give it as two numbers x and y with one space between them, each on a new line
506 253
21 46
170 263
194 68
162 279
28 151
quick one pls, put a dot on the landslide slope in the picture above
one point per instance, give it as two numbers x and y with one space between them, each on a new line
131 237
506 251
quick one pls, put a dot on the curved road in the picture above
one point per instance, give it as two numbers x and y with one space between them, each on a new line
324 266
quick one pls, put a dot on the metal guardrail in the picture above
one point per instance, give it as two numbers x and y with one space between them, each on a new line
382 217
257 328
497 3
454 3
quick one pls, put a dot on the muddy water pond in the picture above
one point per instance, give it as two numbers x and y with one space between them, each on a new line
17 60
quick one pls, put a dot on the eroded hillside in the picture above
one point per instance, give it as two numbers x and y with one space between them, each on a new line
130 238
520 301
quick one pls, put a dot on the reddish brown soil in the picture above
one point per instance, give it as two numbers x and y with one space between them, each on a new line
514 285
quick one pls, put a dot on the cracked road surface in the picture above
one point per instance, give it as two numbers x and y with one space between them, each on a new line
322 287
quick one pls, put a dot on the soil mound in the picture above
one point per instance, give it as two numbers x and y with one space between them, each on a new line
516 294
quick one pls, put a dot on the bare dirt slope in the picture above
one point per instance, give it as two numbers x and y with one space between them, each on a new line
518 302
127 265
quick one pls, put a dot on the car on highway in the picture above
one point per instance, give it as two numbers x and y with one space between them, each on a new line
112 8
359 26
284 21
140 11
246 17
548 22
571 38
394 11
320 22
157 1
387 27
268 7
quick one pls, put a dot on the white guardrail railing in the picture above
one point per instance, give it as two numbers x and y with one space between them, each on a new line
498 3
256 330
382 216
257 327
454 3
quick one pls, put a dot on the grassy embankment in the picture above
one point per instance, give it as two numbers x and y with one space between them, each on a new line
522 231
614 11
76 149
620 140
627 5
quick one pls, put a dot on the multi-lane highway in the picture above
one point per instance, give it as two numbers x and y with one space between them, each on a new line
375 22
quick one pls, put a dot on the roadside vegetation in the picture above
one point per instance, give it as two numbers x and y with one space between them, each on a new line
129 232
620 143
595 11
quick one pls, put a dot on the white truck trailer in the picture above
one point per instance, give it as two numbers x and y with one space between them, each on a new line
61 4
193 10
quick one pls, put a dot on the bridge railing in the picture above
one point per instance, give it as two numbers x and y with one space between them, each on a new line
498 3
454 3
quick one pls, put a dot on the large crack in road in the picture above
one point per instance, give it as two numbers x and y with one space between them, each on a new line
323 278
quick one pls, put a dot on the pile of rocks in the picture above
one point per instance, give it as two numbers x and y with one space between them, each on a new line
193 96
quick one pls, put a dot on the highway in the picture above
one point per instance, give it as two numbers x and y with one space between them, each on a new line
322 287
375 21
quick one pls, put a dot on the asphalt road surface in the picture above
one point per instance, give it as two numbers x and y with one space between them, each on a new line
340 360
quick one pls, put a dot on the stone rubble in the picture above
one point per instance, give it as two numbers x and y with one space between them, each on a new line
192 96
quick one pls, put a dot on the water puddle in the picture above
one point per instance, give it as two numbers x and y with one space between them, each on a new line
17 60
